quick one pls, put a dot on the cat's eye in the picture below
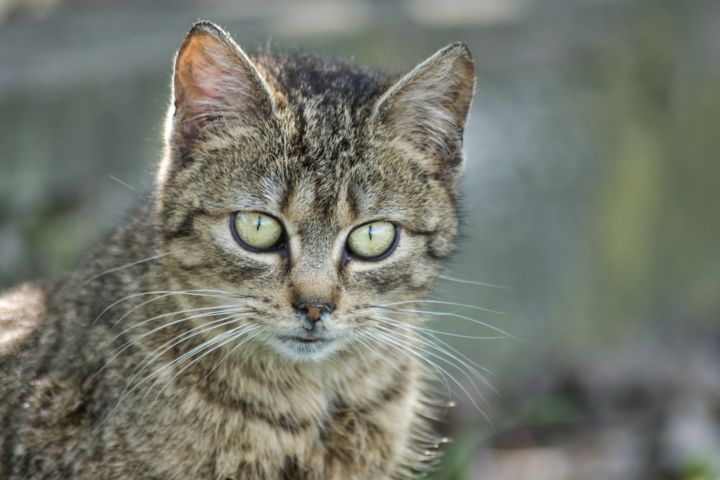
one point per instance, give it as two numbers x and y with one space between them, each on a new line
256 231
373 241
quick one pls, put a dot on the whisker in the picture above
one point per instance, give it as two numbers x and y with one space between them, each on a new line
461 362
163 294
118 351
247 357
233 334
463 356
122 267
124 184
473 282
225 357
430 332
441 302
157 372
379 336
170 314
395 367
423 355
177 340
455 315
378 354
405 348
208 344
439 332
126 392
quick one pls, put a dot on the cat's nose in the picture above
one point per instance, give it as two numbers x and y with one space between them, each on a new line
312 311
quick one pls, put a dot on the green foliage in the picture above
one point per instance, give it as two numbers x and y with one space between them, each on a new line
698 469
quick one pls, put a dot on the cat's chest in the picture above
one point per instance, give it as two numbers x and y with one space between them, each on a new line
343 446
249 436
254 437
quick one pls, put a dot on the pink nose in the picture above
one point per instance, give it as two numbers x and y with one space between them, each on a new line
313 310
313 313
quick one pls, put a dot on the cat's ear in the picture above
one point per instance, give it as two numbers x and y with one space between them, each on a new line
428 107
214 80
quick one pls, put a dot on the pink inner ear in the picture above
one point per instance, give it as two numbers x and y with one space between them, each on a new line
203 95
207 91
213 79
206 87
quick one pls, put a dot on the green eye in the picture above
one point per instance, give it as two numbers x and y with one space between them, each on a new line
256 231
373 241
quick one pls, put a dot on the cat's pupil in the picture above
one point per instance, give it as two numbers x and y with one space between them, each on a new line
258 223
370 231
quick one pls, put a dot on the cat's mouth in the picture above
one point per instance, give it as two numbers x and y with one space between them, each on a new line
308 338
307 345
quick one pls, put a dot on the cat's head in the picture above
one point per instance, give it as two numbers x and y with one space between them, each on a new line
310 189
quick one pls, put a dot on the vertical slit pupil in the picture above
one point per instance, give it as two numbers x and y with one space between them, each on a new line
257 223
370 231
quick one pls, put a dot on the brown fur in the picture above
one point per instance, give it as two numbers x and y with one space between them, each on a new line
324 146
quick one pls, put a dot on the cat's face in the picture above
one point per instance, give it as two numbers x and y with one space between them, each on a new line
314 192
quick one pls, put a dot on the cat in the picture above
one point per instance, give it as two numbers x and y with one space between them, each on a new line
252 319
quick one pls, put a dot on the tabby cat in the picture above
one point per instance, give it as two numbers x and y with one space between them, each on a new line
253 318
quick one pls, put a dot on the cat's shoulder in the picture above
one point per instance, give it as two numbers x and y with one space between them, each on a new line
22 309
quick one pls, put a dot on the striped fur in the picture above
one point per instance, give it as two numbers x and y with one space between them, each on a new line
104 374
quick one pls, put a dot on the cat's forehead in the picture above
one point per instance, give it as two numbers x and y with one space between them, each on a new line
325 104
325 176
321 164
332 181
305 78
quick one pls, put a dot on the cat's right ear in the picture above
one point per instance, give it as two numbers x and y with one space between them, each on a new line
428 107
215 80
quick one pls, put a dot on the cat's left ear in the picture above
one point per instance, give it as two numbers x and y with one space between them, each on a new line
215 80
428 107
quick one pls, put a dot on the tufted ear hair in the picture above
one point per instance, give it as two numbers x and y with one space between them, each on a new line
214 80
428 107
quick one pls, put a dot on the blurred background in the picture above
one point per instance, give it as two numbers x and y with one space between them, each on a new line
591 200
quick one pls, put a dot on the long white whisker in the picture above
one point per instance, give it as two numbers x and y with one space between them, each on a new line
473 282
128 344
440 332
233 335
455 315
182 358
162 294
378 354
441 302
435 348
395 367
225 357
429 332
425 358
217 339
129 391
121 267
170 314
379 336
463 356
405 348
178 339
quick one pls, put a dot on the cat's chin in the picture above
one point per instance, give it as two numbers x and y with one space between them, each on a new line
303 349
